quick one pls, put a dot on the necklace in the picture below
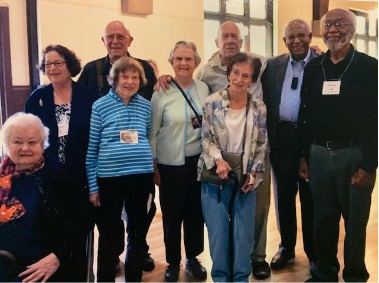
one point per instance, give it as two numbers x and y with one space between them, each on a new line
347 67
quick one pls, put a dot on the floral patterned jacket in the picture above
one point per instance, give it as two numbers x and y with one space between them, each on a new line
214 134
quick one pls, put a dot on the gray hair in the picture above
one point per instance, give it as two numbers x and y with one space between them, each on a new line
125 64
349 14
24 120
286 25
188 44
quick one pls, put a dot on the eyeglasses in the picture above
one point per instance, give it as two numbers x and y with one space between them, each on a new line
116 36
57 64
336 24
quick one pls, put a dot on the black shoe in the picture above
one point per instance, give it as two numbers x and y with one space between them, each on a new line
280 259
148 263
261 269
172 273
194 266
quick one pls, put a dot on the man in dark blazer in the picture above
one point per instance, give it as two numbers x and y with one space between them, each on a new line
281 83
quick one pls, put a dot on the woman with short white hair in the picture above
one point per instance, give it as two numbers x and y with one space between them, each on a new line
30 228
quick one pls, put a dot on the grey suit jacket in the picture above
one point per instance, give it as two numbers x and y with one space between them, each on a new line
272 83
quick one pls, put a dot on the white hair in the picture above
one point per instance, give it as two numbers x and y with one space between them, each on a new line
24 120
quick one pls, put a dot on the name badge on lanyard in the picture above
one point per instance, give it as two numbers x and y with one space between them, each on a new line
129 136
331 88
63 128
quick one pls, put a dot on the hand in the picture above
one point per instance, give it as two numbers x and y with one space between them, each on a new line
303 169
363 179
317 50
95 199
222 169
247 188
162 82
42 270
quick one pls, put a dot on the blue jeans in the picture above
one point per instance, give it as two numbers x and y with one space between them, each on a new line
330 174
215 209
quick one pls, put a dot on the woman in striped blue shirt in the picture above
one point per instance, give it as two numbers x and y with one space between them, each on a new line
120 166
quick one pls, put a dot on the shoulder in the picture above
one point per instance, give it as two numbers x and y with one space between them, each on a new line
257 102
366 59
315 62
104 100
41 93
200 84
216 97
146 65
142 100
79 89
278 59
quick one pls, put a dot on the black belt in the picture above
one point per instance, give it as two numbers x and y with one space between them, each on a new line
335 144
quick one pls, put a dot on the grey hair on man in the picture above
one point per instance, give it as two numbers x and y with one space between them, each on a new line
287 24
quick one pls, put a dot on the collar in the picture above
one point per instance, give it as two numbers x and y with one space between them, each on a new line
306 59
215 61
344 60
112 93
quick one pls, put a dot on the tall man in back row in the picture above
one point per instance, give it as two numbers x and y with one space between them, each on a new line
338 120
117 40
281 89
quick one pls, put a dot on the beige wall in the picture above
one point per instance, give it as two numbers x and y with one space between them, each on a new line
18 40
79 24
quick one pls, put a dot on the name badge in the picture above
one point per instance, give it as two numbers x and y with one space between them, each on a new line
129 136
63 128
331 88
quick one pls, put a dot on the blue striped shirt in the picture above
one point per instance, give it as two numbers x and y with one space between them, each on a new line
107 156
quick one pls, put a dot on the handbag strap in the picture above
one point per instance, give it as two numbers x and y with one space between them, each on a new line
189 102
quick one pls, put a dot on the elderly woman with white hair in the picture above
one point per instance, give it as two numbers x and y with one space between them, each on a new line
29 223
176 144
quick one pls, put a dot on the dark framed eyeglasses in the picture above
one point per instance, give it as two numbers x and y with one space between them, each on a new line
57 64
336 24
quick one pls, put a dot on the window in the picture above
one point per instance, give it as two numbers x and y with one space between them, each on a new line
253 17
366 37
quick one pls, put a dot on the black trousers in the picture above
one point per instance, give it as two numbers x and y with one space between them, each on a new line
131 191
284 158
180 198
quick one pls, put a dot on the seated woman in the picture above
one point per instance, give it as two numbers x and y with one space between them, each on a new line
234 122
29 225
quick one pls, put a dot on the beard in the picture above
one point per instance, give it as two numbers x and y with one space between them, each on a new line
335 46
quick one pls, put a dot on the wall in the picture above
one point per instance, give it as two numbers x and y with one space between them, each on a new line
79 25
286 10
18 40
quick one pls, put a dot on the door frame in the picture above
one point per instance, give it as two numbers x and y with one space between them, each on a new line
5 63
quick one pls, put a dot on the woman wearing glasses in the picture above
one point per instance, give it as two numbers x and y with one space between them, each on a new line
64 106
